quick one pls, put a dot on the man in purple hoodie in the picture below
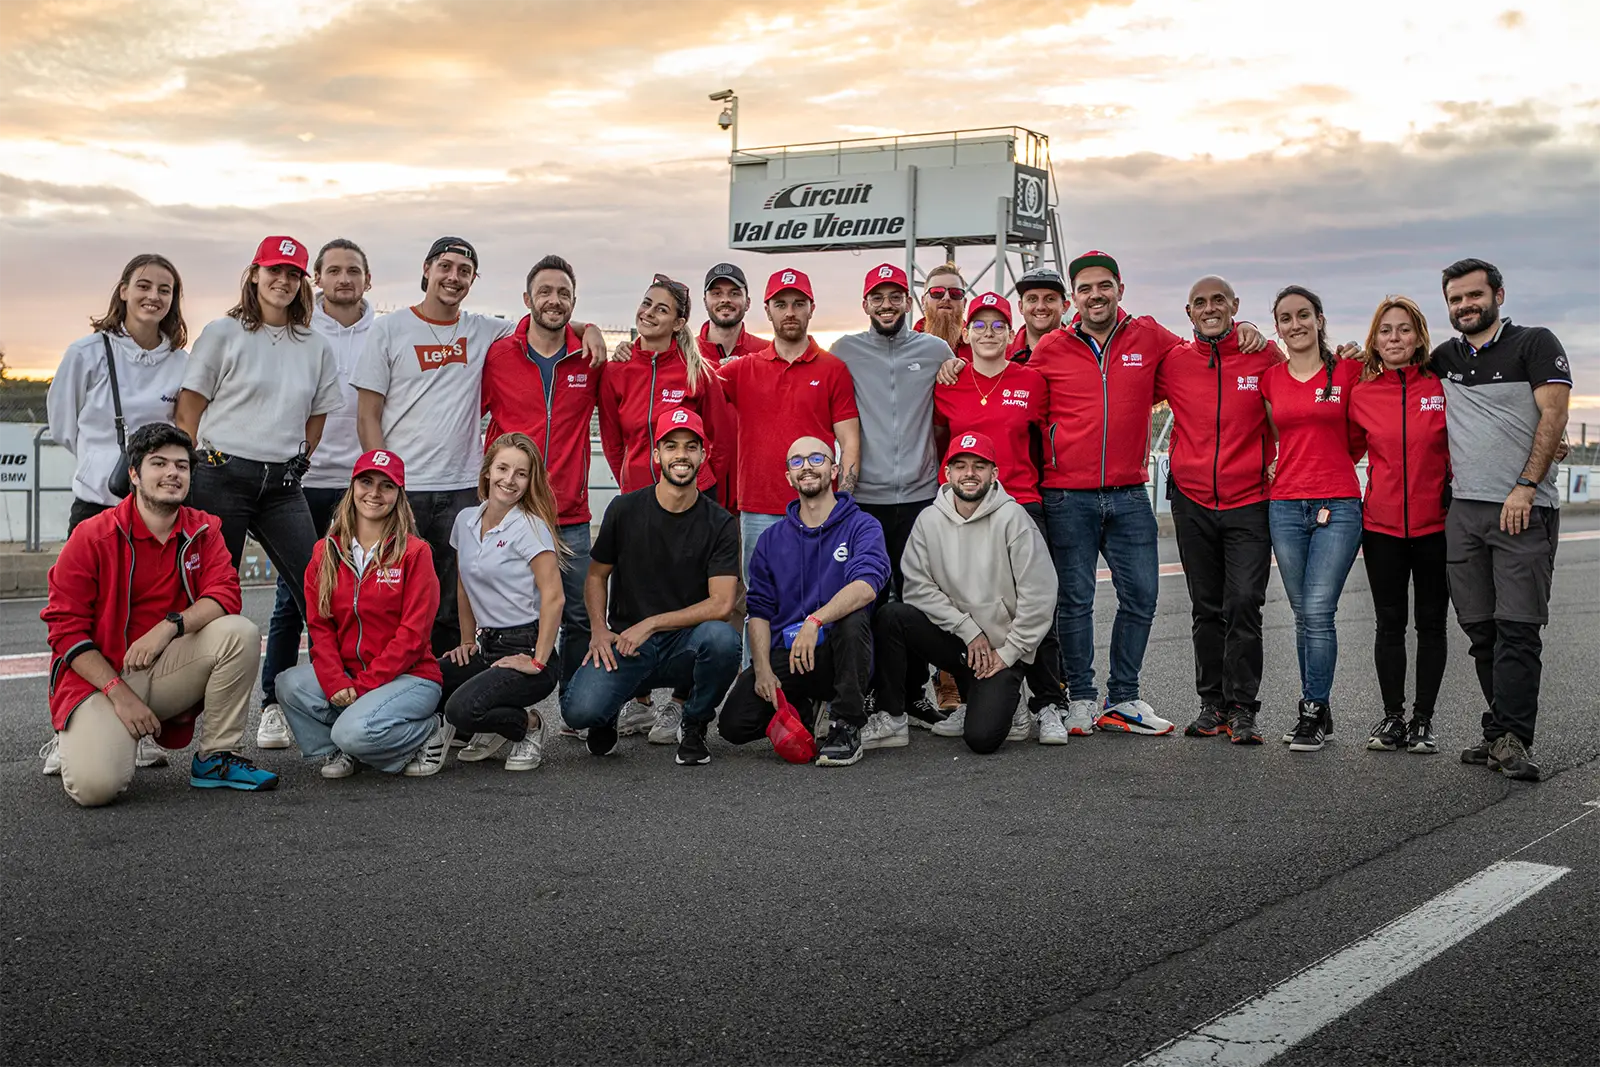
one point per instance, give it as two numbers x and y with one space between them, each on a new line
813 580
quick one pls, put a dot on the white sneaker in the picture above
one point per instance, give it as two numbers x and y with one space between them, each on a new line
273 732
482 747
1134 717
636 718
50 752
149 754
669 718
1021 724
1052 731
953 724
882 731
339 765
429 759
527 754
1080 718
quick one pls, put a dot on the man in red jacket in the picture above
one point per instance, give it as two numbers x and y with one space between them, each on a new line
1221 446
1042 301
723 337
155 571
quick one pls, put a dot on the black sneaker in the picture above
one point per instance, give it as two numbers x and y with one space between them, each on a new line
842 747
692 750
1478 754
1211 721
1419 736
1389 735
1308 735
1327 726
1242 726
1510 757
602 739
924 713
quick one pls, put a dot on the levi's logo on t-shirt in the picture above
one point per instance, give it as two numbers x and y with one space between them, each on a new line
432 357
1432 403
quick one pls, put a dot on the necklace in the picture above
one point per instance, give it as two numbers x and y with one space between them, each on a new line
276 333
983 397
450 327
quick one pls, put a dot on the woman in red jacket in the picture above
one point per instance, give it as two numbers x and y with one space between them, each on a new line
1397 412
371 691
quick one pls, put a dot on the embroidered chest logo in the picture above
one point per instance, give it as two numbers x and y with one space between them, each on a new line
673 395
577 381
1133 359
1250 383
192 562
815 381
913 366
1431 403
500 544
841 553
1332 397
432 357
387 575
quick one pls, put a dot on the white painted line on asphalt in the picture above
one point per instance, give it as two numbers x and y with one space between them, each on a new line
1592 805
1270 1024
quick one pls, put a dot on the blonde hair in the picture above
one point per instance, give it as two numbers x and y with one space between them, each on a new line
538 499
1372 362
399 525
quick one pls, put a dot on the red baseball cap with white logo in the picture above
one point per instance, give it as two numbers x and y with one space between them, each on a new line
886 274
680 419
788 279
990 302
281 251
970 444
385 463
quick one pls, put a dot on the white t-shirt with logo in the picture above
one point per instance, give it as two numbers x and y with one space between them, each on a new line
496 570
430 375
261 387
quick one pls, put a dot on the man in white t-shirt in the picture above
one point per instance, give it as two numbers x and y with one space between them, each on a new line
418 381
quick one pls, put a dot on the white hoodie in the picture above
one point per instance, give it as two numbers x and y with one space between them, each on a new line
336 455
989 574
79 408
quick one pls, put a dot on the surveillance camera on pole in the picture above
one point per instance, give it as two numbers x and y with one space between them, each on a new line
729 119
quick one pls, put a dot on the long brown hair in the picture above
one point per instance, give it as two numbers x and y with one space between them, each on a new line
1329 360
248 309
172 326
538 499
1373 363
400 524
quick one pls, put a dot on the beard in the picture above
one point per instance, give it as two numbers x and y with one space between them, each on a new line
680 478
552 318
889 330
972 497
1488 317
811 492
158 507
945 324
725 319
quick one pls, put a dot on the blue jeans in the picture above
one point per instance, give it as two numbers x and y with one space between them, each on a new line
1314 562
1084 524
285 627
751 526
383 728
574 614
705 658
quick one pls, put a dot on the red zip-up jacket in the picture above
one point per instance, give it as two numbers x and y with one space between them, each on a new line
1221 441
514 399
382 623
91 595
1097 431
634 393
725 464
1398 417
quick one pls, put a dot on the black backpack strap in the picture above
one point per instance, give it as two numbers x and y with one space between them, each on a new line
116 394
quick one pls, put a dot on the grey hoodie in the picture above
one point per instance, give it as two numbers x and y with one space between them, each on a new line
990 574
894 379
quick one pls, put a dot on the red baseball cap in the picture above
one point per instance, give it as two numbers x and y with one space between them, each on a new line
788 279
280 251
970 444
388 464
790 738
886 274
990 302
680 419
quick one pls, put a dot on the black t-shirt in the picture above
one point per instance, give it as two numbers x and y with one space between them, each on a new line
662 560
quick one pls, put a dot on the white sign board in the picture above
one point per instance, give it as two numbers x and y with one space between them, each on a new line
16 456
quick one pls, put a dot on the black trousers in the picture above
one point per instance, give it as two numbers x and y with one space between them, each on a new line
907 641
83 509
480 698
843 670
1227 558
1396 565
896 520
436 513
252 498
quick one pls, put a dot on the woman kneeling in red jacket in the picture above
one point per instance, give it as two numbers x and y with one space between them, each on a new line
371 691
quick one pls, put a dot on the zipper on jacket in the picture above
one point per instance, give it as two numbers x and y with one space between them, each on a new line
1216 448
1405 456
355 603
650 418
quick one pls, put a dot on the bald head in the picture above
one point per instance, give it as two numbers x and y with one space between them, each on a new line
1212 306
804 446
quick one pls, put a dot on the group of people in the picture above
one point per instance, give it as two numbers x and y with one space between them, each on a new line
928 496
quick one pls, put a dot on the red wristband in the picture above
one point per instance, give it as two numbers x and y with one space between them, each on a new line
813 618
536 662
109 686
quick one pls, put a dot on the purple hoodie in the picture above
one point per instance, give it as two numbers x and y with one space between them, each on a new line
795 569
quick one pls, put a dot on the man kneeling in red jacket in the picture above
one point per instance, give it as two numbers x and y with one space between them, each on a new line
145 633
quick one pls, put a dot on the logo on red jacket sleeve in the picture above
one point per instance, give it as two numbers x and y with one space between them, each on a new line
432 357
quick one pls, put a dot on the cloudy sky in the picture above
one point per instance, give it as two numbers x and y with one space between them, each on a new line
1354 147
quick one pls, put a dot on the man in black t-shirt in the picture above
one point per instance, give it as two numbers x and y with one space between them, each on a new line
660 589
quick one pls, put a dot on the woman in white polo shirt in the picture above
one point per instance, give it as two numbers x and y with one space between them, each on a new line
508 592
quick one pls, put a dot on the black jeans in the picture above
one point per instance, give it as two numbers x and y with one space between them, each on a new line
484 699
436 516
896 520
83 509
252 498
907 640
1227 558
841 675
1395 565
286 625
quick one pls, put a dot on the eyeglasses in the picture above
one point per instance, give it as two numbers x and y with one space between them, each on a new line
816 459
999 326
893 299
940 292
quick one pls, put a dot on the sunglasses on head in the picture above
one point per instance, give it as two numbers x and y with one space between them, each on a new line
940 292
816 459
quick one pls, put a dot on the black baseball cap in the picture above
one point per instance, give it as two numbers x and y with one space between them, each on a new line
1041 278
729 271
459 245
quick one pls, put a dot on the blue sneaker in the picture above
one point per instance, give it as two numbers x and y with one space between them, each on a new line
228 771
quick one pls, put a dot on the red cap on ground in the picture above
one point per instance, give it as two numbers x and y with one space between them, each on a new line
278 251
886 274
970 444
680 419
788 279
990 302
790 738
385 463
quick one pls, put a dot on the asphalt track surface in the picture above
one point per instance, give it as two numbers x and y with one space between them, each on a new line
1084 904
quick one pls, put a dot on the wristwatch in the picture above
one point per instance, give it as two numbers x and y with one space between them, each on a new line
1529 482
177 620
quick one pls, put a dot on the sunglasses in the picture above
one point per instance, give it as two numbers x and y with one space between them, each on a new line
816 459
940 292
999 326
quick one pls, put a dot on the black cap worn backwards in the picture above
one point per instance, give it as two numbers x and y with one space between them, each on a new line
459 245
729 271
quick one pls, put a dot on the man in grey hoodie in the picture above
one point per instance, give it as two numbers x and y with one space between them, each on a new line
980 595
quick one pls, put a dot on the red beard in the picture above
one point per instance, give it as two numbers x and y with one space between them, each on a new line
945 324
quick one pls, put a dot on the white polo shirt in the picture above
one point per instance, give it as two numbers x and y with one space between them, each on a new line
496 570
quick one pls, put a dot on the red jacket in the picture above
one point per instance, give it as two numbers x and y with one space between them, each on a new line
1399 418
382 624
514 400
1097 432
1221 441
634 393
725 464
91 594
